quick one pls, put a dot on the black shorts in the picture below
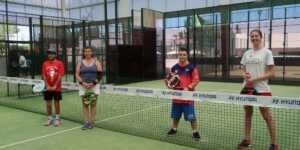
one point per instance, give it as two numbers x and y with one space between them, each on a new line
49 95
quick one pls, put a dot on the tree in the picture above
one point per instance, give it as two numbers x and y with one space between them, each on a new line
12 29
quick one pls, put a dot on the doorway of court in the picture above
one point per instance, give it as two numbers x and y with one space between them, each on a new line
18 59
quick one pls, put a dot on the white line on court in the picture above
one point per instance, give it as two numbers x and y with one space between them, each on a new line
74 128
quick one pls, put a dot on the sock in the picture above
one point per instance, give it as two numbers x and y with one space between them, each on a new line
174 129
56 116
50 117
194 131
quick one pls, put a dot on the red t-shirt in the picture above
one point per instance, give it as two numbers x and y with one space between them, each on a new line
52 70
188 74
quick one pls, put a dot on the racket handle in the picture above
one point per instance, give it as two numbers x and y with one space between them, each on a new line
178 88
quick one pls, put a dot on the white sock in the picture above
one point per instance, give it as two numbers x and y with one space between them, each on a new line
194 131
174 129
56 116
50 117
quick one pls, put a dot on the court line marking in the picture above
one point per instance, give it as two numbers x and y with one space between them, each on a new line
74 128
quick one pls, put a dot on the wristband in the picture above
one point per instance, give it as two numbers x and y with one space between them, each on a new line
95 82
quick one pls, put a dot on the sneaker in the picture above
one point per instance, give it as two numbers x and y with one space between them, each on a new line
48 122
172 132
91 125
274 147
57 122
244 144
196 135
85 126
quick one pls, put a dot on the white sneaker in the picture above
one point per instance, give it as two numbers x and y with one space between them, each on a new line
57 122
48 122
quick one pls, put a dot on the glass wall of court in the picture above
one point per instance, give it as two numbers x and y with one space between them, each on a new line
218 36
31 36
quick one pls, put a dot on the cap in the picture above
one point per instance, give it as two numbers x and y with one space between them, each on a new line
51 50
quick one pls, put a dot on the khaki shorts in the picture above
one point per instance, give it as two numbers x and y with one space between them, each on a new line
95 89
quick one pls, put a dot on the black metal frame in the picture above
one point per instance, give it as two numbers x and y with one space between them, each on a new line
225 11
192 15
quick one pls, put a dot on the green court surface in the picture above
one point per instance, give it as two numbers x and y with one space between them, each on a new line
221 125
22 130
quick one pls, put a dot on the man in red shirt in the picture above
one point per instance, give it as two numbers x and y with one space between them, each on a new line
52 72
189 78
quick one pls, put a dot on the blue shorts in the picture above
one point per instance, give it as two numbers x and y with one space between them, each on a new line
188 111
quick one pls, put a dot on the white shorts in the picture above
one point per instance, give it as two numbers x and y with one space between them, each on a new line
95 89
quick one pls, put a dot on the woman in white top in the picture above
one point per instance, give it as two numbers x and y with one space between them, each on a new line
258 68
